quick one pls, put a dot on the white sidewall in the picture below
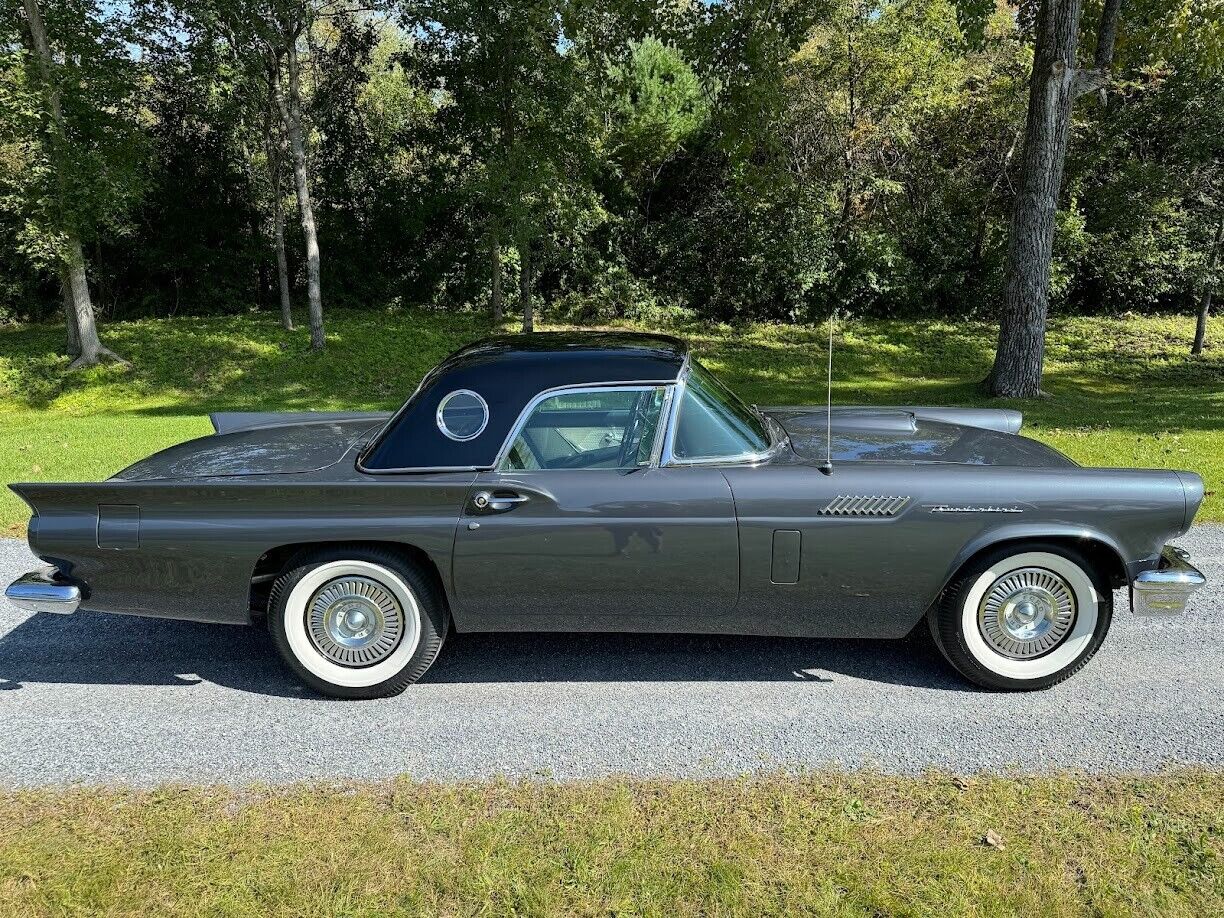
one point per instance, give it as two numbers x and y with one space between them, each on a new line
1074 645
347 676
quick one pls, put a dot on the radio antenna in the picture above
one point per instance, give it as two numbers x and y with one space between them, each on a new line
827 466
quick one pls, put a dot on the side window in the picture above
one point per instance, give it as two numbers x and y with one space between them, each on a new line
590 429
713 424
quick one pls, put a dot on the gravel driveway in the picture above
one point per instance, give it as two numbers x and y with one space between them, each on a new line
92 698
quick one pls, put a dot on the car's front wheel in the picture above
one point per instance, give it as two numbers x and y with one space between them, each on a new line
1023 617
356 622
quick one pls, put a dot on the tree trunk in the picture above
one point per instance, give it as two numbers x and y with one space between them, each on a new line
1026 280
73 342
1107 34
525 286
282 263
89 349
1200 326
275 152
495 266
291 112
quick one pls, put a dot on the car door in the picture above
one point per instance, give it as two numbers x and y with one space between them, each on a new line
579 528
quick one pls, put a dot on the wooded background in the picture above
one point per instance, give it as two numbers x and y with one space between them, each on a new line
748 159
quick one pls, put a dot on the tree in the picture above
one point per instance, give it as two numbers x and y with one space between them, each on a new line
1056 82
266 40
274 146
513 116
292 23
60 195
1213 264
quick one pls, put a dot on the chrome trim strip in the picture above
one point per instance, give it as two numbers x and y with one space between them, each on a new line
43 591
656 452
521 420
446 432
423 469
1167 588
945 508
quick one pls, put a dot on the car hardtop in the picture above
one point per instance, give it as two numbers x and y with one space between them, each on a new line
505 373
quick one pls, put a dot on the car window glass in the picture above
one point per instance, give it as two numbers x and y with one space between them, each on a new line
462 415
713 423
593 429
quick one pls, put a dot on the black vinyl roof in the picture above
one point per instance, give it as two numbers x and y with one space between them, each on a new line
507 372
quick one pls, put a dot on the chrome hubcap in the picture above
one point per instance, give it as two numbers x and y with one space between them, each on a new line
1026 613
355 621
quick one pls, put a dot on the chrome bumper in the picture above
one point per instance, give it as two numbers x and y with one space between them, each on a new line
44 591
1166 589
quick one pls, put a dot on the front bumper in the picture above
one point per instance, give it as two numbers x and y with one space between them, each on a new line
1167 588
44 591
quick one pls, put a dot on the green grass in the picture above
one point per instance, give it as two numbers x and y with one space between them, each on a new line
1123 391
826 844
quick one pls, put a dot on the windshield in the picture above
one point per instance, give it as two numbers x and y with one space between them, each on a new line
713 423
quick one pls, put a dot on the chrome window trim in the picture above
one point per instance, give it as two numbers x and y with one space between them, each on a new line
656 452
442 407
669 459
577 389
424 469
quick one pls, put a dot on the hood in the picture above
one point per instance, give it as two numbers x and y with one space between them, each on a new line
271 450
896 435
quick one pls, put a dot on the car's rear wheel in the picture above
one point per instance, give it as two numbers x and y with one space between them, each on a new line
1023 617
356 622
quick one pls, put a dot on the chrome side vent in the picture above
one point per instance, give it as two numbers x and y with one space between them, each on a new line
864 505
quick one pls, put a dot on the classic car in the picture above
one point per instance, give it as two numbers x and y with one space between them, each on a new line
610 482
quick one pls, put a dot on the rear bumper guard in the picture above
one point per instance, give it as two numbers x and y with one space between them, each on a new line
1167 588
44 590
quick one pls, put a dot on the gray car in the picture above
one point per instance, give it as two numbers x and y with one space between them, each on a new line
609 482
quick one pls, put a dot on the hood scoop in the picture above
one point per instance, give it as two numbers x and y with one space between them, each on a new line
883 419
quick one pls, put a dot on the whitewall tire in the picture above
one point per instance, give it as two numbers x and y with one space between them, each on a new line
354 622
1023 617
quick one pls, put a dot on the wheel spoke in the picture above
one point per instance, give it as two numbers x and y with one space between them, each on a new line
355 621
1027 613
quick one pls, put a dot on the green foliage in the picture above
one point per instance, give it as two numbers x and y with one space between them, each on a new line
1151 176
658 106
742 159
88 178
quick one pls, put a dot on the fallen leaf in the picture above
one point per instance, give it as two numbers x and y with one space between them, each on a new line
994 839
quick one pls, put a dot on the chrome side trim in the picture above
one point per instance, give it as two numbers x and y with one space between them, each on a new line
945 508
578 389
43 591
1167 588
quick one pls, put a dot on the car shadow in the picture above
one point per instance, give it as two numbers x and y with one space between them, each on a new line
98 649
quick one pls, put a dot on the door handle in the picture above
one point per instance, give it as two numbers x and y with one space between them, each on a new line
488 502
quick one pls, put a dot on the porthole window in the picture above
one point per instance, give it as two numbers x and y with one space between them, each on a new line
462 415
